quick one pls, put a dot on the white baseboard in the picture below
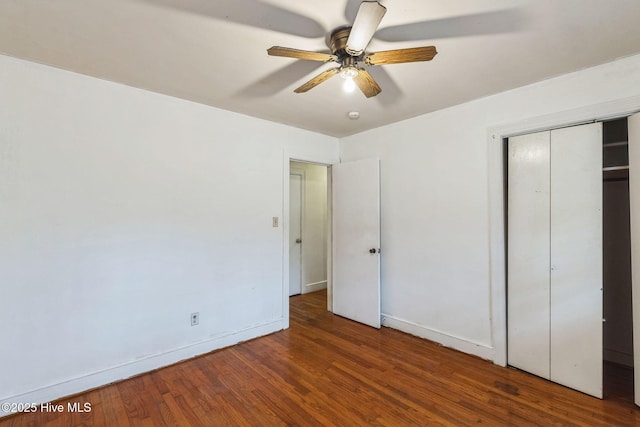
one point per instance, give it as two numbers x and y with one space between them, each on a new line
313 287
446 340
136 367
618 357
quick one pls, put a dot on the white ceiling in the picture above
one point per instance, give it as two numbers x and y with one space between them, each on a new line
214 51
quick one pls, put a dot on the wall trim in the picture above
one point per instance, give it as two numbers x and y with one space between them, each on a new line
314 287
497 262
139 366
618 357
442 338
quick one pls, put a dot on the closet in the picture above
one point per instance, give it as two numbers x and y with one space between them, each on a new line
573 252
572 221
554 276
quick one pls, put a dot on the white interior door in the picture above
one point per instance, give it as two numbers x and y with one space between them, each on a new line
295 233
634 201
356 240
576 258
528 253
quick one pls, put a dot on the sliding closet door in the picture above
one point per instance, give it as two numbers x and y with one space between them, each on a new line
576 258
634 200
528 253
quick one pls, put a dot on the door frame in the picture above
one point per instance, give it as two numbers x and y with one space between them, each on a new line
497 220
288 157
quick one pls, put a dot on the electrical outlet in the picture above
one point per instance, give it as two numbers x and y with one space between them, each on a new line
195 319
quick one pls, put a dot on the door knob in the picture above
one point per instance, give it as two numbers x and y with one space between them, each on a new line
373 250
298 240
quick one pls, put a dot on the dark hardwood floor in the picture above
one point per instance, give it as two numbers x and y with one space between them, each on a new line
326 370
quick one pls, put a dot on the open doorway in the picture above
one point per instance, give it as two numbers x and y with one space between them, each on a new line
309 229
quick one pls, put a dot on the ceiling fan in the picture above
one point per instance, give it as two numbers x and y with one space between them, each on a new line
348 44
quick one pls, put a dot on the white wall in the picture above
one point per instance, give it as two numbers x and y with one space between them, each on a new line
435 191
314 227
123 211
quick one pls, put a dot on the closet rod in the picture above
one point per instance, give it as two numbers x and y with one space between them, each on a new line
615 144
615 168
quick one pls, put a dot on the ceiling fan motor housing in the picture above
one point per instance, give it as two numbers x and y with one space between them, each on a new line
338 44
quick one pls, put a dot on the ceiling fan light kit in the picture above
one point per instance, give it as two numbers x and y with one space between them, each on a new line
348 72
348 44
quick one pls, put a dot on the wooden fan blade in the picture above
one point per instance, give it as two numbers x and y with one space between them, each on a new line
399 56
300 54
317 80
364 27
366 83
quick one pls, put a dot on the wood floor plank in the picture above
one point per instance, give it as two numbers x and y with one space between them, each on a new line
326 370
113 407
